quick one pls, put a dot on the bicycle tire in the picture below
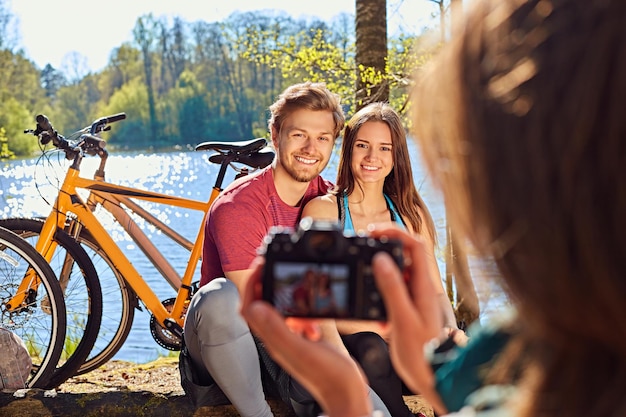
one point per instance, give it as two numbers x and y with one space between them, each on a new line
82 295
43 332
116 293
118 300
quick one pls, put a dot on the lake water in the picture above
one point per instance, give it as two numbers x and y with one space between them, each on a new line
29 186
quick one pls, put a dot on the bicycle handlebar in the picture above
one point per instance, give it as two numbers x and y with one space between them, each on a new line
100 124
247 152
87 142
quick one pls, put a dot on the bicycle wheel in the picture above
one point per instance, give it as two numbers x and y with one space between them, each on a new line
81 291
118 299
41 328
118 308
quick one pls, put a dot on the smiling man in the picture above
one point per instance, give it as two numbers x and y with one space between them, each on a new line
304 123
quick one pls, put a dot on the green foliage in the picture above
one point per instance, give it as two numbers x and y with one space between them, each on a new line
20 94
5 152
185 111
308 56
132 99
74 105
52 80
183 83
14 118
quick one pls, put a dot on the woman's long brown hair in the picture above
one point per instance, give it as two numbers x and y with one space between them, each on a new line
399 184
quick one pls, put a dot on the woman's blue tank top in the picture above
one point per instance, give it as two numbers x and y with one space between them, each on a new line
347 223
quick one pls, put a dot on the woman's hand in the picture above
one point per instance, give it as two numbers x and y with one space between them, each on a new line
333 378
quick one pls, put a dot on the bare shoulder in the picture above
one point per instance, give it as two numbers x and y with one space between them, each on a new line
322 207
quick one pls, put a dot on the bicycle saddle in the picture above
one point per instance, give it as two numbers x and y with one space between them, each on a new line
242 146
256 159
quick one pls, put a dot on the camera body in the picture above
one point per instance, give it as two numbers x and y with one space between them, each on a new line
318 271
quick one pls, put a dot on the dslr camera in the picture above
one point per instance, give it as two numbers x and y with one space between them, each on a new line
318 271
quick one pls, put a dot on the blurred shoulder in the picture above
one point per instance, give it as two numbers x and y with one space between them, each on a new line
322 207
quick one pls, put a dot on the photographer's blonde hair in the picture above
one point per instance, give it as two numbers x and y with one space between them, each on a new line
522 124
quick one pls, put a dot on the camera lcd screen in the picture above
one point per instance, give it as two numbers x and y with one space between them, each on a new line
311 289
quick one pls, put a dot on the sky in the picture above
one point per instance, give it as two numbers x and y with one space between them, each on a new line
49 31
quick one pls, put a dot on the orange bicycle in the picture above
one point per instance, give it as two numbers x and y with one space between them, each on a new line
77 217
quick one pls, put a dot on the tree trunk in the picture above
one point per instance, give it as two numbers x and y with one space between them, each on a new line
371 50
466 303
456 14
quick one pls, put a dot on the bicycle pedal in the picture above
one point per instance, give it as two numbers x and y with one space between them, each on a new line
172 326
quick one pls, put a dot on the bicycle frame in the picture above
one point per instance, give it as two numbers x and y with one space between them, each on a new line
111 196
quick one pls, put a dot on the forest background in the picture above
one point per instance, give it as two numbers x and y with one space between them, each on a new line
181 83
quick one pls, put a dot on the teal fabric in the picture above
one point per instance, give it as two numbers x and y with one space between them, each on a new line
463 370
488 401
349 227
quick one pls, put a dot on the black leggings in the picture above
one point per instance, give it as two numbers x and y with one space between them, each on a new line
372 353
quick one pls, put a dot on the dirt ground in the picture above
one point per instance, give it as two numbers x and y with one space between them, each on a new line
161 378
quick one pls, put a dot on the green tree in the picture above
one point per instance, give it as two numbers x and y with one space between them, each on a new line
234 87
5 152
134 132
14 118
173 49
21 95
52 80
20 79
124 65
186 114
75 105
145 36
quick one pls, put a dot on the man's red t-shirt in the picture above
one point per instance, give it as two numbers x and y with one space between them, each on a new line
241 217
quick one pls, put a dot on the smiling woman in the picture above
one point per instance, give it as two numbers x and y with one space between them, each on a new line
375 185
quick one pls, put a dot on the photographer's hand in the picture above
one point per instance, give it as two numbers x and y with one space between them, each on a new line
414 318
331 377
413 312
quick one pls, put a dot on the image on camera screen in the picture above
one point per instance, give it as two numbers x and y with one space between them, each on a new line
311 289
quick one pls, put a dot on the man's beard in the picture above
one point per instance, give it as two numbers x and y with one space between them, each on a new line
301 176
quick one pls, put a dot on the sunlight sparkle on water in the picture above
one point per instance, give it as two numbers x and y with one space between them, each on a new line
28 188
